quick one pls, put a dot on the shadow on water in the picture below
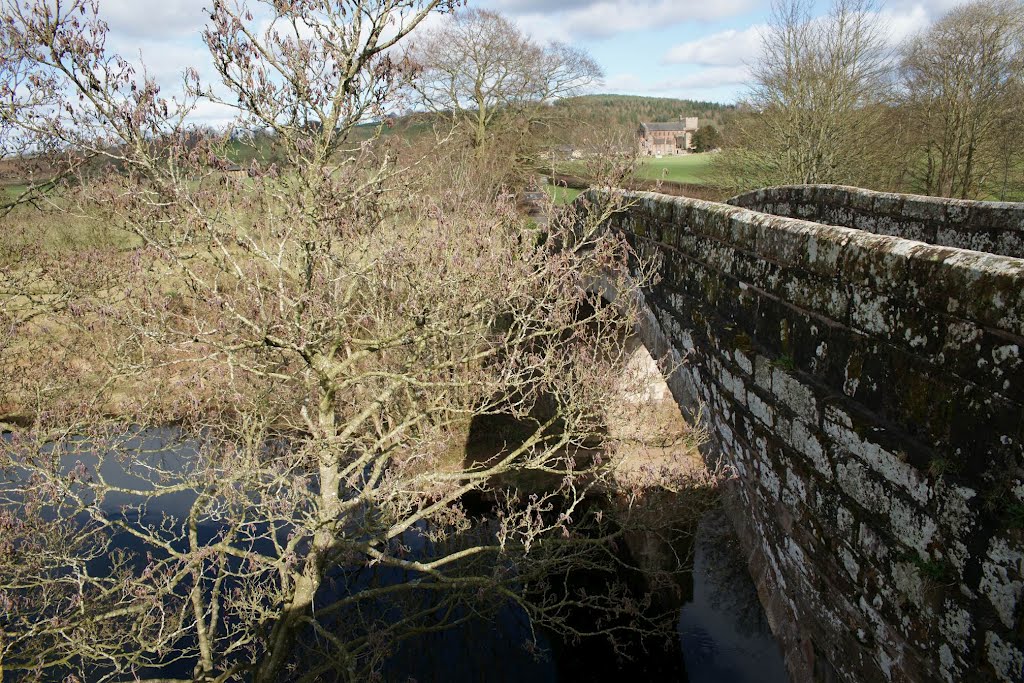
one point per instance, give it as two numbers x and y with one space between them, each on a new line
723 635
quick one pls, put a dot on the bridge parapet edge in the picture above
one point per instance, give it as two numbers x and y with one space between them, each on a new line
994 227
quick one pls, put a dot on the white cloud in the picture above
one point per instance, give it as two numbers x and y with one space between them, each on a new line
211 113
164 36
542 28
523 6
704 79
737 47
932 8
167 33
165 61
625 83
164 19
901 24
605 18
717 82
726 48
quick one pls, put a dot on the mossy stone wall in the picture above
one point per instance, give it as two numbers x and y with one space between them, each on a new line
994 227
868 391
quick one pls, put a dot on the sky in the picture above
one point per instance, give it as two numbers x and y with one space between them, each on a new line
691 49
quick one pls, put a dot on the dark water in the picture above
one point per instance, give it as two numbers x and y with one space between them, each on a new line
724 631
723 635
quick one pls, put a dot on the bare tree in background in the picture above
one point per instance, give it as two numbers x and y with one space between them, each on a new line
320 336
487 75
819 87
962 86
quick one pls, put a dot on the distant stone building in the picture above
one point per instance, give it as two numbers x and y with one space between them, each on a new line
665 139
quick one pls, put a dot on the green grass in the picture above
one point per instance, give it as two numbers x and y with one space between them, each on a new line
10 192
689 168
686 168
562 195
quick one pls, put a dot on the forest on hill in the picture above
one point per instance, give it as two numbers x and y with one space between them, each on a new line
630 110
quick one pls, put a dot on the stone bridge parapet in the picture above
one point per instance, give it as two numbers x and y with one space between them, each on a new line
868 390
994 227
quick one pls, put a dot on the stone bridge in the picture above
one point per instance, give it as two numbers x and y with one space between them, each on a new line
857 357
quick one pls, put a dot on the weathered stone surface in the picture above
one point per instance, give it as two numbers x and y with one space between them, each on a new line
868 391
995 227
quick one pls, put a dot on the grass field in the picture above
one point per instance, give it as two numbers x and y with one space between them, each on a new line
689 168
8 192
562 195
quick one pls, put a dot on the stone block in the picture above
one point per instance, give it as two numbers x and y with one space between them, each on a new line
760 408
833 195
888 204
997 216
904 325
763 373
958 212
1010 243
795 395
825 249
877 262
985 288
743 229
805 439
782 240
1002 578
806 211
974 240
924 208
882 461
983 356
835 215
862 201
1006 659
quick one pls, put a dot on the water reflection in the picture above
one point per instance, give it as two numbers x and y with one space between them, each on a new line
724 630
480 650
723 634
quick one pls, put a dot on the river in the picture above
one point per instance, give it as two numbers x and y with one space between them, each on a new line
722 635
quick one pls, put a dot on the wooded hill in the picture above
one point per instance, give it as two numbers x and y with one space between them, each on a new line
631 110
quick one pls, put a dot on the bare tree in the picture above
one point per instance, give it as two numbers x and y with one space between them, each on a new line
320 337
481 70
819 87
962 81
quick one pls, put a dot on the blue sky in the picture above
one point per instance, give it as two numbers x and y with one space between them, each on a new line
695 49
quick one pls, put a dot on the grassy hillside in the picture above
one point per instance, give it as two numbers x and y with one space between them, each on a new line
562 195
11 192
262 147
